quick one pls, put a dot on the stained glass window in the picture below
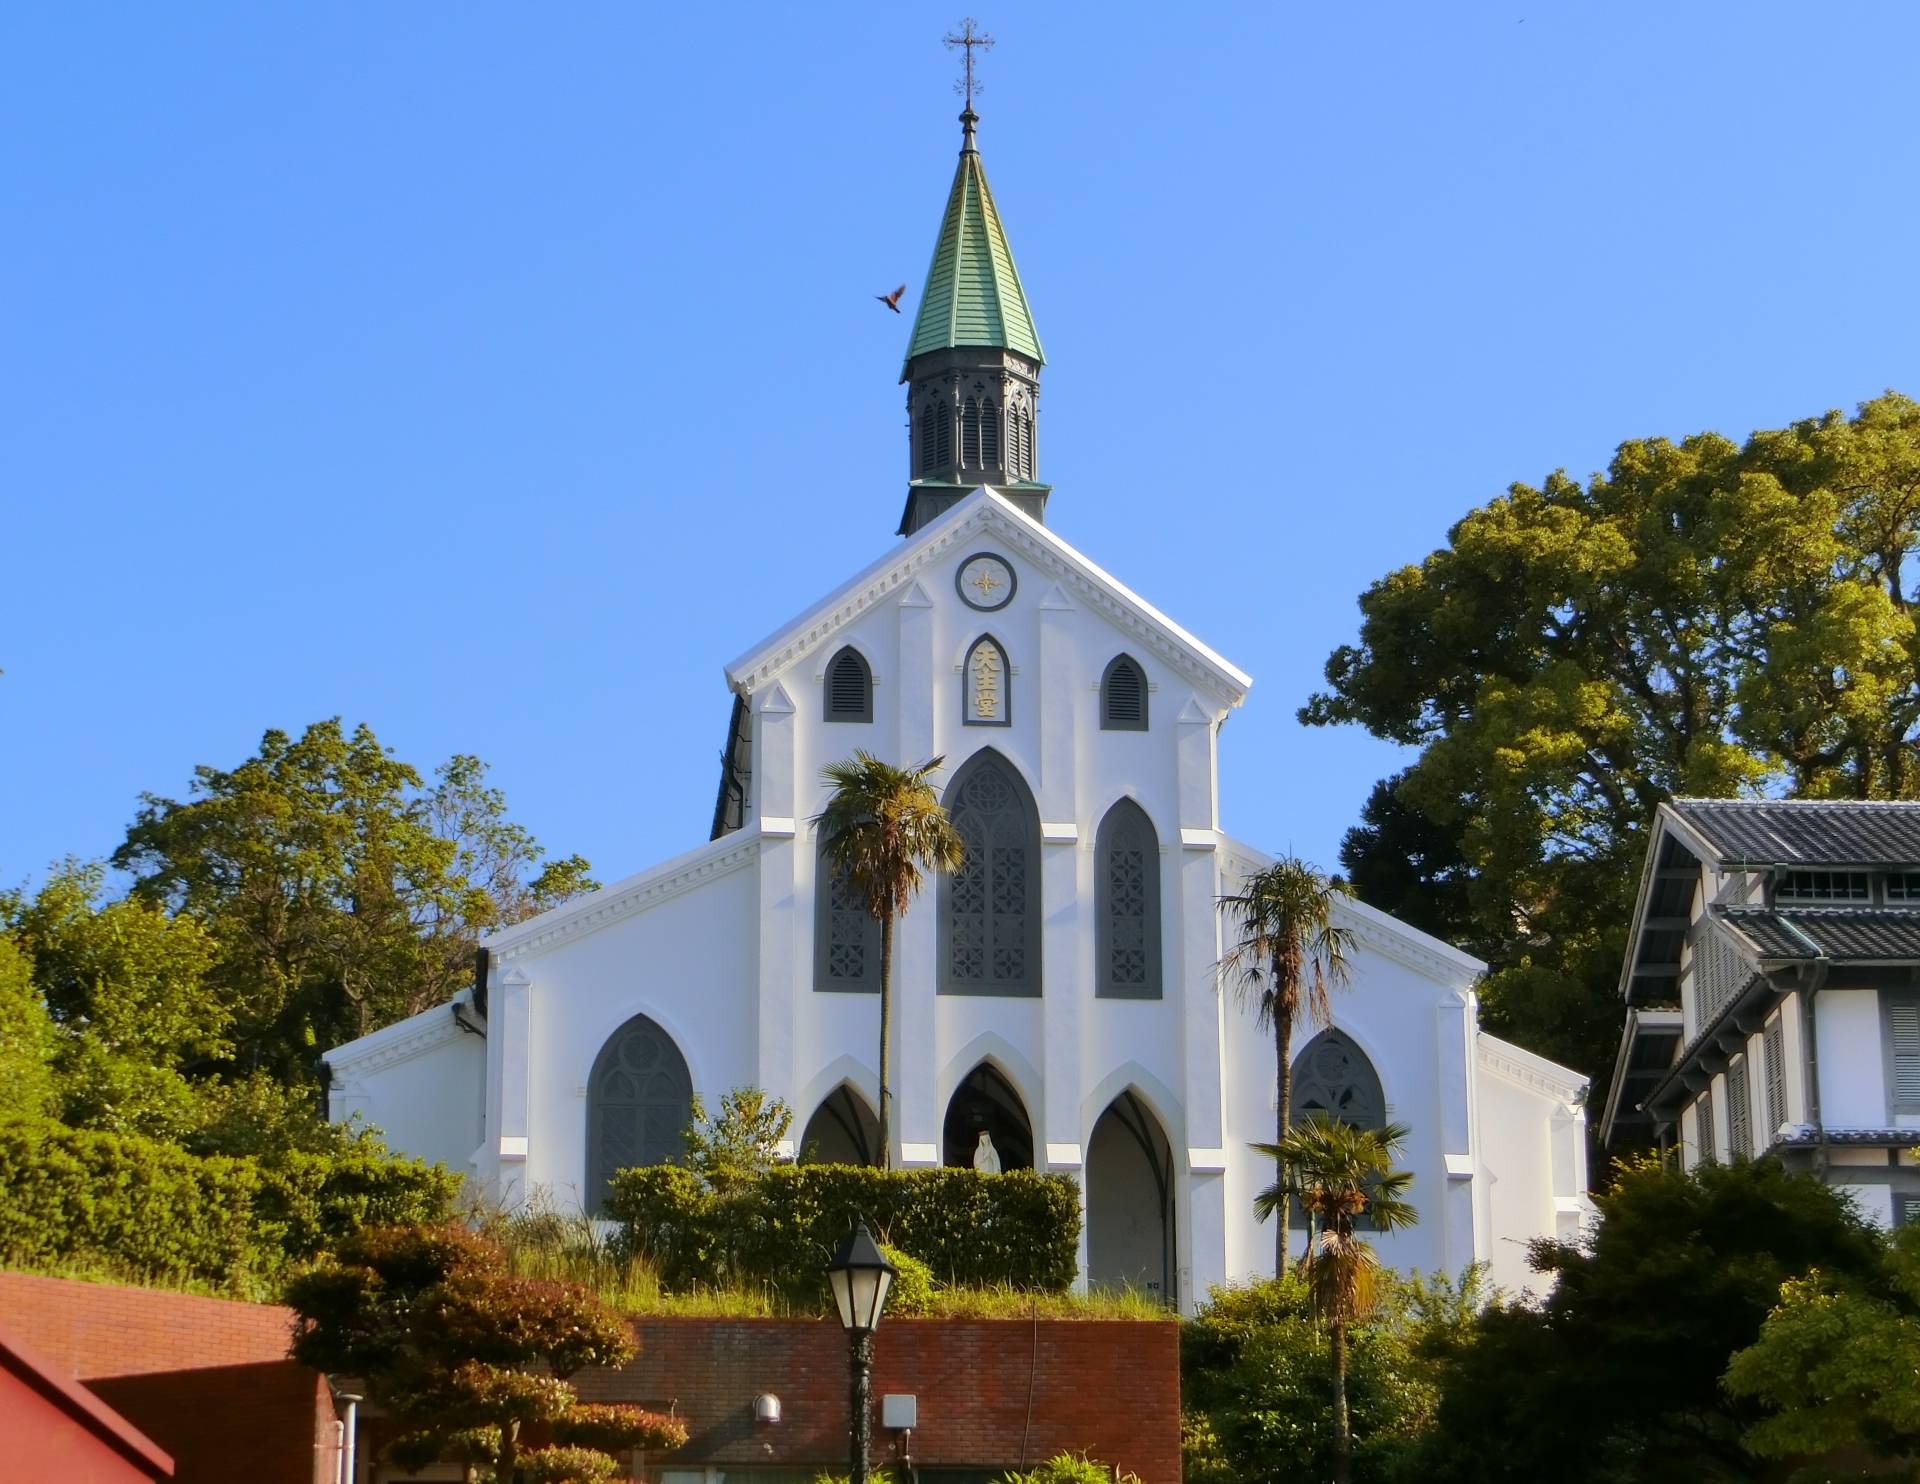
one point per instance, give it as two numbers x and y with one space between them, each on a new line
639 1101
1127 856
992 917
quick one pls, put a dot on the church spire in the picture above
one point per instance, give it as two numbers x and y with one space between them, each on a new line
973 364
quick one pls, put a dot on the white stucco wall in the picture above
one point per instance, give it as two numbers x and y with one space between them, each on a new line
421 1082
1853 1084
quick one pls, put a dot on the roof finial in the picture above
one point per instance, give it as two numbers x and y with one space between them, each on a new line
968 37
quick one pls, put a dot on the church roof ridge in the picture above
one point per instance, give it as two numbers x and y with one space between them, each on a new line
972 294
986 511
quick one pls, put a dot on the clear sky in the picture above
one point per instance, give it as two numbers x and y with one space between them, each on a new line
493 373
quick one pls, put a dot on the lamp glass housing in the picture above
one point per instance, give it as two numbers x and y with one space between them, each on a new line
860 1277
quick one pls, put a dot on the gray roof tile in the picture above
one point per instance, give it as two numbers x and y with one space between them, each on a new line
1806 832
1863 934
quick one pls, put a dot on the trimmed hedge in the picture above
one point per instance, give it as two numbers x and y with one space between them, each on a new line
155 1210
976 1230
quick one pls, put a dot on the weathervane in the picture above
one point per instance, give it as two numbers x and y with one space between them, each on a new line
968 37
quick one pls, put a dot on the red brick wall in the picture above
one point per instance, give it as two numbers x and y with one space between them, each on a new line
99 1329
1108 1388
236 1424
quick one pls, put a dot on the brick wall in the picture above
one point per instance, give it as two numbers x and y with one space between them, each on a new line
267 1423
991 1392
100 1329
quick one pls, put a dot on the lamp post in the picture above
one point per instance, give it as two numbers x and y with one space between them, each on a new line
860 1276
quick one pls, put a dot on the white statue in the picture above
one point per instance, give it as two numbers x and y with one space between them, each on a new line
986 1159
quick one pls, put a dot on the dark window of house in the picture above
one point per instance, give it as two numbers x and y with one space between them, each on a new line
1903 886
1703 1126
1123 696
1127 890
990 920
849 687
1775 1041
1903 1026
846 937
1739 1110
1906 1207
1821 886
639 1100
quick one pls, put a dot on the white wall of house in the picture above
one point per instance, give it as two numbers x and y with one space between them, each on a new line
1853 1083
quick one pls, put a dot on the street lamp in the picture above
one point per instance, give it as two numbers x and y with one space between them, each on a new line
861 1276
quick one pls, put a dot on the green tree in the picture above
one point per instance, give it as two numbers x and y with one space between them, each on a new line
467 1358
1287 955
735 1148
1616 1374
340 893
1339 1174
1840 1366
125 986
882 827
26 1037
1256 1379
1703 619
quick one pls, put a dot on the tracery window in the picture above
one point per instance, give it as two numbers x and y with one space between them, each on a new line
990 905
986 689
639 1101
1123 696
846 937
1127 901
849 687
1335 1076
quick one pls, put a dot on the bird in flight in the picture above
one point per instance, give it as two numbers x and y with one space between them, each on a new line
892 300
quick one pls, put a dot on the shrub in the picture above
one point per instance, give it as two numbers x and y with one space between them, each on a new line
1019 1228
151 1209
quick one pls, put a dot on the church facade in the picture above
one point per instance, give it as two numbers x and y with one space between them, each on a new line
1058 992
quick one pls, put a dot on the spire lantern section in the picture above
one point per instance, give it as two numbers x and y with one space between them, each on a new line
973 365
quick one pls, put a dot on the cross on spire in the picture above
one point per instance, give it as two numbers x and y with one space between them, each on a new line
967 38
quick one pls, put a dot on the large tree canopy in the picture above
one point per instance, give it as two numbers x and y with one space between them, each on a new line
1705 618
339 892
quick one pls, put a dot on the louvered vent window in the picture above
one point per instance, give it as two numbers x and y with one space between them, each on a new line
989 434
1903 1020
849 688
1821 886
929 415
1028 459
1906 1208
1016 447
1776 1044
970 434
1703 1126
1123 697
943 436
1739 1111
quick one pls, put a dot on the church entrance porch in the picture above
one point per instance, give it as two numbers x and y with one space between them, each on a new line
1130 1182
843 1131
985 1103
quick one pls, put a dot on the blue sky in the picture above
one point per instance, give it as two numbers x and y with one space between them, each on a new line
493 374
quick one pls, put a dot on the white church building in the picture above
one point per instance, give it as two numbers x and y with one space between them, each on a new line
1059 990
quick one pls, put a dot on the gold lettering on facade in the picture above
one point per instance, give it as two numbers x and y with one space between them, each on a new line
986 683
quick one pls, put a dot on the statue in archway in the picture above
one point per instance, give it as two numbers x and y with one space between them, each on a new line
986 1159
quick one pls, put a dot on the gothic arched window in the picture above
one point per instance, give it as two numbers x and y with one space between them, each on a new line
639 1102
943 434
849 687
989 434
1334 1075
928 417
1126 853
846 936
1016 437
986 685
970 434
990 906
1123 696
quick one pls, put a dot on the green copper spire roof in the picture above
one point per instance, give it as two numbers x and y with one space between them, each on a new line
973 294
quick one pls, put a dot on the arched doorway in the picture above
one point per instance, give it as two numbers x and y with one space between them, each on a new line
842 1131
639 1102
1332 1074
985 1102
1130 1201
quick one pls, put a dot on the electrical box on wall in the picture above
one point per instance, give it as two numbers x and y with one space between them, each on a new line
899 1411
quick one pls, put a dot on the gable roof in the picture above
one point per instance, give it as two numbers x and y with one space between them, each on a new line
1804 832
86 1410
973 294
986 513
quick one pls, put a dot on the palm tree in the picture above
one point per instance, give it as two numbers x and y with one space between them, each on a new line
1289 950
881 827
1338 1172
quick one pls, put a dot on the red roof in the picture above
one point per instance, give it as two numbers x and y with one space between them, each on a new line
69 1396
